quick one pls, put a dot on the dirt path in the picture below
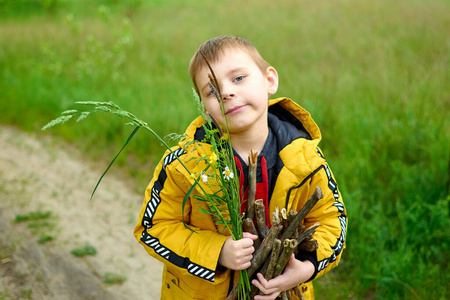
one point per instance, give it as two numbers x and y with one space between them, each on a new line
35 176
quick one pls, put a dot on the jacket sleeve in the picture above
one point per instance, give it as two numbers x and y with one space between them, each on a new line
330 212
160 229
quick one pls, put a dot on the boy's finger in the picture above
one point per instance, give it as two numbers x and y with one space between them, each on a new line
245 243
261 278
260 283
248 251
246 265
271 285
248 235
248 258
268 293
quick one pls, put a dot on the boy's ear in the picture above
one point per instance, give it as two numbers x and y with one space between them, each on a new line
272 80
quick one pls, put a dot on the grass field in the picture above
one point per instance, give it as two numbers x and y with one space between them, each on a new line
374 74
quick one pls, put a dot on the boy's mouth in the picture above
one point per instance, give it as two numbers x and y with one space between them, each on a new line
234 109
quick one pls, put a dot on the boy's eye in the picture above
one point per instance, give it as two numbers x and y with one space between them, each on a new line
238 78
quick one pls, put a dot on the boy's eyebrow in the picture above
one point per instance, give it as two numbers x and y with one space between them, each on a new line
237 69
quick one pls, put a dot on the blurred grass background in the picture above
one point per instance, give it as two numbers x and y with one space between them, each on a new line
374 75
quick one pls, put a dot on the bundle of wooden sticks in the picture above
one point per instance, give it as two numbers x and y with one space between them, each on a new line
276 244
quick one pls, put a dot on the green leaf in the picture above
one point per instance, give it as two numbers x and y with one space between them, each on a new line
204 210
185 198
114 159
200 198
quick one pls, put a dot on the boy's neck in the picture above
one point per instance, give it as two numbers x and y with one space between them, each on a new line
244 142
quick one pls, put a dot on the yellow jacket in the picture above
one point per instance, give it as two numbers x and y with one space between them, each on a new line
190 258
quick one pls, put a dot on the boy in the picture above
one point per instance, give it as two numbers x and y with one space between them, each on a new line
202 265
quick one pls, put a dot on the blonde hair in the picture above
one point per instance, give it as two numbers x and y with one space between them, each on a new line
213 48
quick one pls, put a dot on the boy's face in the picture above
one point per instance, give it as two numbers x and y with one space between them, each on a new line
245 91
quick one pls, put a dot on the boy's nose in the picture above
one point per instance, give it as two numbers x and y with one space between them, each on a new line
227 96
227 90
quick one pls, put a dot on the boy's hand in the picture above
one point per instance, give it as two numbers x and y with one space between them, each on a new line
296 272
236 255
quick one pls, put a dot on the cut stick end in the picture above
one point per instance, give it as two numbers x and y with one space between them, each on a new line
318 193
252 157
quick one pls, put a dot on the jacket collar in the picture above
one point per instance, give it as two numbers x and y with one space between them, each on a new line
297 134
285 109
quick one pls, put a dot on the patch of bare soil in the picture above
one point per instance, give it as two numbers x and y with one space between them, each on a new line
37 176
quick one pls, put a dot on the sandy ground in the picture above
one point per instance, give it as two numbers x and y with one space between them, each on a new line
38 175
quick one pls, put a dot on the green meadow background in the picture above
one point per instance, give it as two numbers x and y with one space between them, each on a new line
374 75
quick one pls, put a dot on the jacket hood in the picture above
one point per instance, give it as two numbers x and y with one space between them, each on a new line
304 137
289 111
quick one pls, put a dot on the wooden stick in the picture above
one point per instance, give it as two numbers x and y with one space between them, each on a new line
276 216
291 215
282 296
273 259
249 226
268 273
307 233
270 235
253 162
234 292
275 220
289 246
309 236
298 292
302 213
301 228
286 295
253 292
261 218
298 231
269 265
259 256
284 218
309 246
